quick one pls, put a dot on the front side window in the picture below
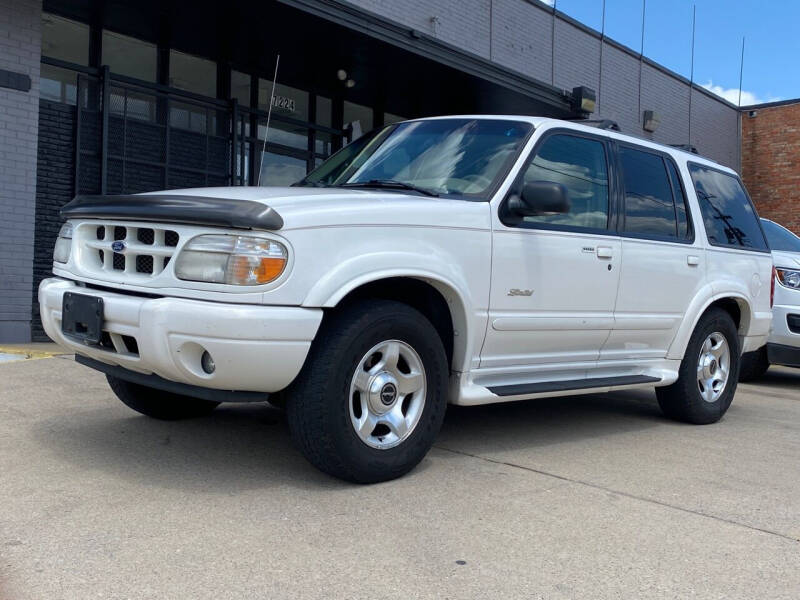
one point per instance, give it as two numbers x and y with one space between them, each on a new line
459 157
580 165
649 206
728 215
780 238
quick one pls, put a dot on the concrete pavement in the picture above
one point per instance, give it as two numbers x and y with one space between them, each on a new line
588 497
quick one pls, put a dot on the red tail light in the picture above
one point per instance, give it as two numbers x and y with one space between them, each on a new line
772 288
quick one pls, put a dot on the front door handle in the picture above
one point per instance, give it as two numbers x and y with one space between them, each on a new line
692 260
605 252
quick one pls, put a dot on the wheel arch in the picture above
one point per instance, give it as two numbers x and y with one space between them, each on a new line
734 303
434 296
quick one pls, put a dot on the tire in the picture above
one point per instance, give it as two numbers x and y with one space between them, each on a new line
754 365
325 404
684 400
157 403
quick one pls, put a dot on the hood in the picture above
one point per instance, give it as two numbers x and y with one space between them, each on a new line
304 207
786 260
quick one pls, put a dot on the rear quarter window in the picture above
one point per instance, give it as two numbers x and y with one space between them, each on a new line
728 214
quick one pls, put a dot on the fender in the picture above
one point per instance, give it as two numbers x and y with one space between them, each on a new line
705 298
363 269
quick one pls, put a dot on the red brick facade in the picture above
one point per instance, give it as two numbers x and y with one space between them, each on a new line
771 161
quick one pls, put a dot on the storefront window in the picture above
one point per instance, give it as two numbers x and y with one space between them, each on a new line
280 170
288 101
128 56
389 118
324 111
284 134
358 118
192 74
240 87
58 85
65 39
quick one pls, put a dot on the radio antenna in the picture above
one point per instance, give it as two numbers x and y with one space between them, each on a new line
269 116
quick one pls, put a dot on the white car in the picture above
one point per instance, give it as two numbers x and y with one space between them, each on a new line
783 345
469 260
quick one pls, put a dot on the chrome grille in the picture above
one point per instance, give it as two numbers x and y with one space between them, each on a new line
128 250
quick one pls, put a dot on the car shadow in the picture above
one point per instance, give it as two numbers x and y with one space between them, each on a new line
776 376
549 421
247 446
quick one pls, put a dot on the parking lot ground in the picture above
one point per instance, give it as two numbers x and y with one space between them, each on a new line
587 497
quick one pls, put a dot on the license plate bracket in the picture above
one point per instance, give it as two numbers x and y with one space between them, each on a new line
82 317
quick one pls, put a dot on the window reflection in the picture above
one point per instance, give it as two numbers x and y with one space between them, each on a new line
280 170
579 164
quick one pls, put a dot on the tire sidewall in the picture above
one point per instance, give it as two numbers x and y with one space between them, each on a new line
417 332
715 321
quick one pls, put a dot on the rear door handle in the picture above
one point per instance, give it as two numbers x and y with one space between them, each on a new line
605 252
692 260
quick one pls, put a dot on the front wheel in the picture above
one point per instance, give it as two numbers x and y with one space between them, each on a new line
372 394
708 373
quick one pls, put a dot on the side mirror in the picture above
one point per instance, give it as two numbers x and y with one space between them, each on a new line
540 198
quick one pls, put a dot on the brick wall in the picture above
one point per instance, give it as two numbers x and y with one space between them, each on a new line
771 162
55 187
20 48
520 37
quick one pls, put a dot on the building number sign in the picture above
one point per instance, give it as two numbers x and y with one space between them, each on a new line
283 102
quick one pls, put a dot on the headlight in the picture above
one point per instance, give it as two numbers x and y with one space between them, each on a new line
63 244
231 259
788 278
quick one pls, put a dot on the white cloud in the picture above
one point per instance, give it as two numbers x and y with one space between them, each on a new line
732 95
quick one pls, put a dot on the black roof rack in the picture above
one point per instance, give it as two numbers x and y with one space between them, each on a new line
600 123
686 148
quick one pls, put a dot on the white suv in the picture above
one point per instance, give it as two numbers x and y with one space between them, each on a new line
783 345
469 260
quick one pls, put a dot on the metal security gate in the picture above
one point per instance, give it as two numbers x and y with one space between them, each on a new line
135 137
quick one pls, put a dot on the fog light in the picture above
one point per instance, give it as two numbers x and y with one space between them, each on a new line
207 363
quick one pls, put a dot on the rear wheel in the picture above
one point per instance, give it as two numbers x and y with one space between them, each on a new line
159 404
754 365
708 373
372 394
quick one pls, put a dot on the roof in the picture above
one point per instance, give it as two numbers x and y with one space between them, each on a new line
771 104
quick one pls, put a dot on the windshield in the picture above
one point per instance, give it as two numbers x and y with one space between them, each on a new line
460 157
780 238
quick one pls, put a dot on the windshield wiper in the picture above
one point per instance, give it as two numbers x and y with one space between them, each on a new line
389 184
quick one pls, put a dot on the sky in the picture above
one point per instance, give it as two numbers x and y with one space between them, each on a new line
771 29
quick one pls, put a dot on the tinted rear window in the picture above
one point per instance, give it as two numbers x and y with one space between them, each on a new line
728 215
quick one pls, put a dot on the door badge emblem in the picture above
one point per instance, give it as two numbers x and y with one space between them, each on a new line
517 292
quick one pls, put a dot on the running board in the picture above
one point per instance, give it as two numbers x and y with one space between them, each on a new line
523 389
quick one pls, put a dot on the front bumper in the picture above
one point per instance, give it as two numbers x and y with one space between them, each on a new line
255 348
780 332
788 356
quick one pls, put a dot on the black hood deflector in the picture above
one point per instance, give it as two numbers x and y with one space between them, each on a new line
165 208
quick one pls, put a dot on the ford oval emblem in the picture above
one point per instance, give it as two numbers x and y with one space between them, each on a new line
118 246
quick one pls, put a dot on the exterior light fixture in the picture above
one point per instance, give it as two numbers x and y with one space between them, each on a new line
584 99
650 120
341 74
350 83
